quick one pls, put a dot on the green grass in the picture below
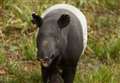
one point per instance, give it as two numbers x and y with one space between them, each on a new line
99 64
2 57
100 75
19 73
28 47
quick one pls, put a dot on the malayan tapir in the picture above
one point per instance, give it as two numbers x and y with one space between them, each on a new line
61 39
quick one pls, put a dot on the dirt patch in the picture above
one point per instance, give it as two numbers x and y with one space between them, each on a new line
3 71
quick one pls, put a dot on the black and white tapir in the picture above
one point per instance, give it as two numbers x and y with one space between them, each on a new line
61 39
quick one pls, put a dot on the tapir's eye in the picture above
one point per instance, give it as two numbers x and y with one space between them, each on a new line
45 43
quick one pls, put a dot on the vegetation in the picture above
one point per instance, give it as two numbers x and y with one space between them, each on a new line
100 62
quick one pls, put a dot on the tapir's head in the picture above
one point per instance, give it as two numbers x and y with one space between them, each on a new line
49 37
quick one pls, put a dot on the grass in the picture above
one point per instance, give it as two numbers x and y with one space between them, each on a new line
100 75
28 48
99 64
2 57
19 72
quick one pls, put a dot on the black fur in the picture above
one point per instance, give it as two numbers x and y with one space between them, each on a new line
36 20
63 21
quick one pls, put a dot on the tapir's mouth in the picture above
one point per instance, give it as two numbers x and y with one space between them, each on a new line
45 63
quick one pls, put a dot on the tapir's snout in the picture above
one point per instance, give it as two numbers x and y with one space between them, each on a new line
45 61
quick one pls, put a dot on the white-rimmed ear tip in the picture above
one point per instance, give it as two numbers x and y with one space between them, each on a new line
33 12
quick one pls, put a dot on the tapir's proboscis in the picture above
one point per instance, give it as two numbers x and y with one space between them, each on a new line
61 40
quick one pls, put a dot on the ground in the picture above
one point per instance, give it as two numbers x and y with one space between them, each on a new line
99 64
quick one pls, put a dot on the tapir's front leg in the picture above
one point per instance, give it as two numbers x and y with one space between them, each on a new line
45 75
68 74
56 78
50 75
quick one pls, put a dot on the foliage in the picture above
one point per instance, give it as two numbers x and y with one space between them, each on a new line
17 39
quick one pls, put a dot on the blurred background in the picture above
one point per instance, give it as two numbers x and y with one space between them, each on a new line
100 62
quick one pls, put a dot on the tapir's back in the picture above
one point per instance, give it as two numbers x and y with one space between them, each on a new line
76 32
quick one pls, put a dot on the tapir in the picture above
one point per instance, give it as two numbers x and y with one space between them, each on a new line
61 40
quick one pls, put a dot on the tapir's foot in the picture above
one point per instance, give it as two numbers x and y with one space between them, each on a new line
56 79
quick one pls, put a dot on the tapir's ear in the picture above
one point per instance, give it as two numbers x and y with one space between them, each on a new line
63 21
36 19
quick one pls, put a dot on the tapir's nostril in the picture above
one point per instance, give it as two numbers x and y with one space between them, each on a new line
46 59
